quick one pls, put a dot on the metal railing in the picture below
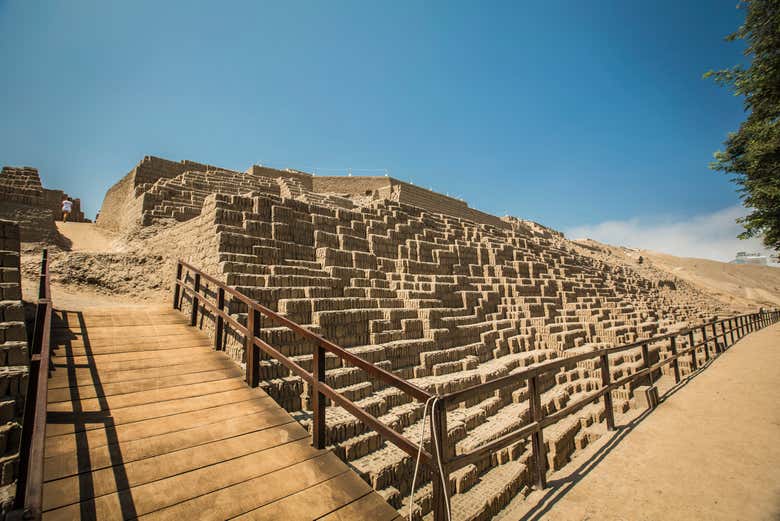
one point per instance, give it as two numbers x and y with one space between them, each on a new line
29 488
442 462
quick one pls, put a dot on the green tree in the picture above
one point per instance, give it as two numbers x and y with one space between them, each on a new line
752 154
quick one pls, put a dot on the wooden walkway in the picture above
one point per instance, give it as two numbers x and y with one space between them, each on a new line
147 421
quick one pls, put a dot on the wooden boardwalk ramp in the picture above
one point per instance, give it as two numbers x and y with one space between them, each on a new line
146 420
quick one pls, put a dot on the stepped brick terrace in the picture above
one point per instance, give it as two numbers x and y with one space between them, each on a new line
421 290
424 288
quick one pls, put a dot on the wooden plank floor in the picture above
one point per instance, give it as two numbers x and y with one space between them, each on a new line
146 421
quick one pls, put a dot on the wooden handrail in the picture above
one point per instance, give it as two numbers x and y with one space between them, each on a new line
732 328
29 488
740 325
316 378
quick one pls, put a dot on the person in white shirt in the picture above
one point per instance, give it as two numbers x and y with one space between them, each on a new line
67 206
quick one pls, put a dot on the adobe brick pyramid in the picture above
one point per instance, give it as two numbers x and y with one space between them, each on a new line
419 284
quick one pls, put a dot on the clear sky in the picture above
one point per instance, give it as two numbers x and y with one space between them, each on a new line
574 114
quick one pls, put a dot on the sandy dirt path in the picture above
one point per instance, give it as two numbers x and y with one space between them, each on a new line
710 451
88 237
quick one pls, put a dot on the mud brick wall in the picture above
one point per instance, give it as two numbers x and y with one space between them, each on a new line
14 361
302 177
391 188
357 185
22 201
435 202
123 205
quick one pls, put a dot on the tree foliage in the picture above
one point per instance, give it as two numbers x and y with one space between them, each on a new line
752 154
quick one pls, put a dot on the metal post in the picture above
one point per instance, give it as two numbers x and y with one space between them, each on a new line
194 312
318 399
220 323
537 438
441 476
606 377
176 288
675 364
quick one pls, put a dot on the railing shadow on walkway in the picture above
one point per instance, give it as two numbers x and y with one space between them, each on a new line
80 418
559 487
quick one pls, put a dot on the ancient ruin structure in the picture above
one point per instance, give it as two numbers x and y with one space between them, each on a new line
158 188
14 360
24 200
417 283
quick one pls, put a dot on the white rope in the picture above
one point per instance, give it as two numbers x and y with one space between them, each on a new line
419 454
435 445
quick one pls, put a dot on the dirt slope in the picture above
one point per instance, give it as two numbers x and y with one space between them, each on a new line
742 286
94 263
88 237
739 283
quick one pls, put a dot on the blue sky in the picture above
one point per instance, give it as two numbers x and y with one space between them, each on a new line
568 113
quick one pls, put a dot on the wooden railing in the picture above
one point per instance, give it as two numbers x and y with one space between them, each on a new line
29 486
731 329
316 379
441 462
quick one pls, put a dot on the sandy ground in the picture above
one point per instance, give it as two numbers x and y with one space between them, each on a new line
711 450
739 283
88 237
94 267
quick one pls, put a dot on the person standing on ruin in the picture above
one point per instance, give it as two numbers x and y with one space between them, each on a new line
67 206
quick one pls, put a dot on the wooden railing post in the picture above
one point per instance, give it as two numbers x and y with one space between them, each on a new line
731 330
537 438
675 364
715 339
44 274
220 322
606 378
194 312
252 352
176 288
646 360
706 344
441 476
317 398
741 326
694 361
